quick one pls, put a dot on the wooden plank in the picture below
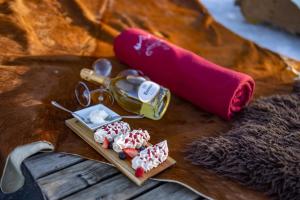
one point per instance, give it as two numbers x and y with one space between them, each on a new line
169 191
74 178
117 187
123 165
47 163
84 180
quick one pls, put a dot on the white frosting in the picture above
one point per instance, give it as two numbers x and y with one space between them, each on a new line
151 157
97 116
110 131
133 139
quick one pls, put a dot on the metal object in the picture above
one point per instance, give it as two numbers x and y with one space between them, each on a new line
83 115
57 105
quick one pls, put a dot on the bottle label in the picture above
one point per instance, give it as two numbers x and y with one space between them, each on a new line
147 91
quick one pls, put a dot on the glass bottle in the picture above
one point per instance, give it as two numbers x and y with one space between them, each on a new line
133 92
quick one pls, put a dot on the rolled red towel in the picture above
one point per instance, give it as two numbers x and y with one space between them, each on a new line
211 87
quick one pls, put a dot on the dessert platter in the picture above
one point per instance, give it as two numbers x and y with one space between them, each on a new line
127 148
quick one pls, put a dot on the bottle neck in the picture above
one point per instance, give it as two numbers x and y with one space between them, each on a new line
91 76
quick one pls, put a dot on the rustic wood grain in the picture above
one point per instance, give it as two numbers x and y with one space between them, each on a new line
47 163
74 178
123 165
88 179
117 187
169 191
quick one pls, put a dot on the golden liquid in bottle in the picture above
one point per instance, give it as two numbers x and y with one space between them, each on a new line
125 92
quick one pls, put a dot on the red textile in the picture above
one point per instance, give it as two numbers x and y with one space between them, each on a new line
211 87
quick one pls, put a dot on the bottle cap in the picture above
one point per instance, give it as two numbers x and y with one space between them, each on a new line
86 74
91 76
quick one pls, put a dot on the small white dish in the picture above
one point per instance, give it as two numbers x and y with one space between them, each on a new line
83 116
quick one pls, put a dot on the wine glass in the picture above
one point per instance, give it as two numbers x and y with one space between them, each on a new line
103 67
85 96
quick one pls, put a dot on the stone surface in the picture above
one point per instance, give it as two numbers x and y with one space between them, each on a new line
284 14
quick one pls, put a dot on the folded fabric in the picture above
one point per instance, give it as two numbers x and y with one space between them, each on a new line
12 178
211 87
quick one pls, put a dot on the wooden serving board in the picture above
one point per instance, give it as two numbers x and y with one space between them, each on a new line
123 165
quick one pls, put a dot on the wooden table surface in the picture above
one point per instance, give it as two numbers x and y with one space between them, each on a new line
71 177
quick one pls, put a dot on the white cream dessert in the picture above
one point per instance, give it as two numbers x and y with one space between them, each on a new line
98 116
134 139
110 131
151 157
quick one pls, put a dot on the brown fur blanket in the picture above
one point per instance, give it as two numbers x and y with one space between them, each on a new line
263 148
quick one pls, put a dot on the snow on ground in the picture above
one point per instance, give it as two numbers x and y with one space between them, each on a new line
229 15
